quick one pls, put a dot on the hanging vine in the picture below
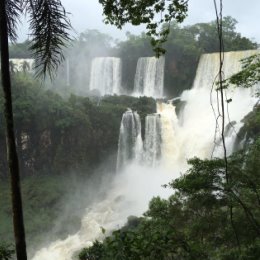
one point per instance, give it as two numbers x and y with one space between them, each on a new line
221 110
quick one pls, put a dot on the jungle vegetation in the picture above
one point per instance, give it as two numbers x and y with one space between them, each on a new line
57 137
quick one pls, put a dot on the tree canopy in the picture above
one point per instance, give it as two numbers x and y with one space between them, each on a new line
153 13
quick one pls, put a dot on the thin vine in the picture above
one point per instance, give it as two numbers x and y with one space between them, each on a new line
222 108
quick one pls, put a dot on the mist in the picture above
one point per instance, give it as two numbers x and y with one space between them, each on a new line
109 204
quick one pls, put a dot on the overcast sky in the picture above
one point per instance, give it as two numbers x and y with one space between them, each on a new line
87 14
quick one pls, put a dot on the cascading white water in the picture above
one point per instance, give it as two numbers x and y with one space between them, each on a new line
198 120
149 77
105 75
170 131
152 142
191 135
130 140
21 65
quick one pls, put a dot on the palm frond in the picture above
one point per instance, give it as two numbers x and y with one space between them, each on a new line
13 11
49 26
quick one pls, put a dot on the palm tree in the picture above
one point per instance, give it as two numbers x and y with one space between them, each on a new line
49 32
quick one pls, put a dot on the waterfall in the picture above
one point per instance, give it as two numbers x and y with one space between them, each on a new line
198 120
130 143
170 130
152 142
105 75
192 134
149 77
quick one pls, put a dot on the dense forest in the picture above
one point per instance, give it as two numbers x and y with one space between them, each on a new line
66 136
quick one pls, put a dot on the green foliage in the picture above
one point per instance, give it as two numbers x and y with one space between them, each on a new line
207 35
6 252
250 130
93 253
249 76
45 199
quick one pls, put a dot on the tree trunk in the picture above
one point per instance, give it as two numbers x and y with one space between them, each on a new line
12 157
